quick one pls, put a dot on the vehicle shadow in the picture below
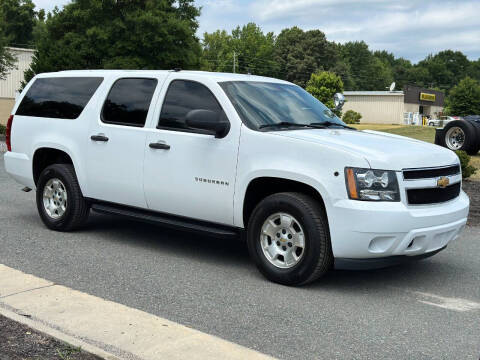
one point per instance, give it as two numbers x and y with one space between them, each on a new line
233 253
420 274
171 241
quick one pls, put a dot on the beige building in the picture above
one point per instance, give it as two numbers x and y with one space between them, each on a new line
392 107
376 107
10 86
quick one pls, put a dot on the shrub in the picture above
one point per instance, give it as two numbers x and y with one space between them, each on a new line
3 129
351 117
467 169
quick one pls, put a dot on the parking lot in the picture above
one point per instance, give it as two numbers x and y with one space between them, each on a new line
423 310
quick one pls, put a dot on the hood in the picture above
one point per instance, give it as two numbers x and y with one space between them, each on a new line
382 150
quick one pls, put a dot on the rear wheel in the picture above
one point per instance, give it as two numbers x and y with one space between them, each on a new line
461 135
60 202
288 239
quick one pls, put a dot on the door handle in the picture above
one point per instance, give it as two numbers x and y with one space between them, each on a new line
99 138
159 145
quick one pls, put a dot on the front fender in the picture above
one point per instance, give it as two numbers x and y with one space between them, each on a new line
244 182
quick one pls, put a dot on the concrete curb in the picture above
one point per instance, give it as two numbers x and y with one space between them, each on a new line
38 326
105 328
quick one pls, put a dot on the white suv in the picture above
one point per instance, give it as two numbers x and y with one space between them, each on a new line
230 154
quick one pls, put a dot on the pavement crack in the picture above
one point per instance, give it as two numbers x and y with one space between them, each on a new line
25 291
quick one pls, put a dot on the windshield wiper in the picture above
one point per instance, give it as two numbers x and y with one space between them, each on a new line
326 124
285 124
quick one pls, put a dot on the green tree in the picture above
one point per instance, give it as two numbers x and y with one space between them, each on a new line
40 28
399 67
218 51
18 19
323 85
123 34
252 50
300 53
464 98
7 60
474 69
342 69
442 70
368 72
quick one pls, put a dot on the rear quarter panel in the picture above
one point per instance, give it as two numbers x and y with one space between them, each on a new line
30 134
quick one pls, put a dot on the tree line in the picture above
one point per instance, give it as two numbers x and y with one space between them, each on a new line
161 34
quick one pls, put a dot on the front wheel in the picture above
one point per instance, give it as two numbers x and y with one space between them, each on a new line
288 239
60 202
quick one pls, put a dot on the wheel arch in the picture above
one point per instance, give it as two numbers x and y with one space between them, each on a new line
260 187
47 155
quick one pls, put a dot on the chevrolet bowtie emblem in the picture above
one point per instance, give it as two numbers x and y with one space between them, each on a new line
443 182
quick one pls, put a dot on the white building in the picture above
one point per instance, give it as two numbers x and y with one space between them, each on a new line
10 86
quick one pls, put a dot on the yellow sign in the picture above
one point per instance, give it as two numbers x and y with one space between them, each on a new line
427 97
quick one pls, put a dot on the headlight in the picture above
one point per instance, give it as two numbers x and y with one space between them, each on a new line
372 185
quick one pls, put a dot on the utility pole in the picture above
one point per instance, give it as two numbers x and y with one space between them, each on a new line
234 61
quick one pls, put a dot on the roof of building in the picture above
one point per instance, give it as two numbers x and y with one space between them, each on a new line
374 93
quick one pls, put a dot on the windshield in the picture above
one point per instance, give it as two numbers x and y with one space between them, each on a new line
271 106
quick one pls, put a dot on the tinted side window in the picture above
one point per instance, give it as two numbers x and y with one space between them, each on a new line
128 102
63 98
183 96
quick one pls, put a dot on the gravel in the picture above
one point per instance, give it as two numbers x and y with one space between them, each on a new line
472 188
3 147
19 342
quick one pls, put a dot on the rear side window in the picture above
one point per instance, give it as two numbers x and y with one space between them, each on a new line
183 96
128 102
62 98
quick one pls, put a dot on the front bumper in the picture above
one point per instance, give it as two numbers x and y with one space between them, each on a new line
368 230
378 263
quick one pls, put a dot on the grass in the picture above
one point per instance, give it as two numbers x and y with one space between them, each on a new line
424 133
3 129
68 351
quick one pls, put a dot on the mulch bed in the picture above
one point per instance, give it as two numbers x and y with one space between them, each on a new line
472 188
19 342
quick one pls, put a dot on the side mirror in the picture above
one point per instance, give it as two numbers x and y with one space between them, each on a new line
338 100
208 120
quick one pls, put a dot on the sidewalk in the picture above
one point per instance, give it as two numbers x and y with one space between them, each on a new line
105 328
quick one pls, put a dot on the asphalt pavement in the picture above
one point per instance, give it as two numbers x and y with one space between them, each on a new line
424 310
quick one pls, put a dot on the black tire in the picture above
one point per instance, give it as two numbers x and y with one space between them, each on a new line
476 125
77 208
470 131
440 137
317 258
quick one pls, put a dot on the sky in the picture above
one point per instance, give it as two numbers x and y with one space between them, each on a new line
409 28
